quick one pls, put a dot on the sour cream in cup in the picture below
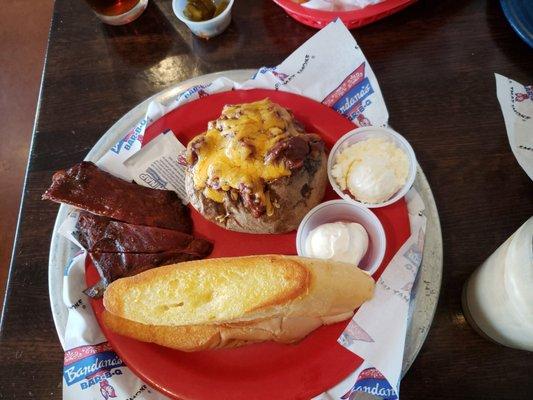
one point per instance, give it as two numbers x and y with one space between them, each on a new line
351 221
338 241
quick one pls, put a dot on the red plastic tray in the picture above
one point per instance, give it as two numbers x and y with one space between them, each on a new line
352 19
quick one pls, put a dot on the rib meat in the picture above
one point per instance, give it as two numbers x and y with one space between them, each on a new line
112 266
103 235
87 187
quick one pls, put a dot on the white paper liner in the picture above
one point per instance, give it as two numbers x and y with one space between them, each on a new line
516 102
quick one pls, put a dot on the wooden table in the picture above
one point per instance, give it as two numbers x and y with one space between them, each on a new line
435 63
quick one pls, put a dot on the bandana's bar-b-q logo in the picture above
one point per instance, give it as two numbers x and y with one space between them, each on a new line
347 104
346 86
198 89
528 95
82 352
131 137
90 365
263 70
99 377
371 381
106 390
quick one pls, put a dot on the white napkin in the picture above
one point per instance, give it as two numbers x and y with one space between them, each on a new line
377 331
516 102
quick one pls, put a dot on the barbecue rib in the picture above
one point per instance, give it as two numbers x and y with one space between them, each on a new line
87 187
112 266
103 235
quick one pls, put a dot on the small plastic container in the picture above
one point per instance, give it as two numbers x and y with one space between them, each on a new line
367 132
204 29
344 211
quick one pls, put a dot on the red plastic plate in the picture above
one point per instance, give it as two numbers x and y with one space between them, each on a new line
260 371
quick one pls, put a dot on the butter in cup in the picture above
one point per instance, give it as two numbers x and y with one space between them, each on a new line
363 134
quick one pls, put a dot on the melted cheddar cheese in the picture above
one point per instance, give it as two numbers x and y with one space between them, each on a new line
232 152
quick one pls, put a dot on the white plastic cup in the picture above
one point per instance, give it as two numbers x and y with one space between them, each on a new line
204 29
364 133
498 297
343 211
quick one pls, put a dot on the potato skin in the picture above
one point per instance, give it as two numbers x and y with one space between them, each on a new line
294 195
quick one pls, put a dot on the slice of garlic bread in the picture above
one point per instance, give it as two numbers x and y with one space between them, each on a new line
229 290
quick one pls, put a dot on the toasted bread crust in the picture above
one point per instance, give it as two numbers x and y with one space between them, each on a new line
184 338
301 279
206 337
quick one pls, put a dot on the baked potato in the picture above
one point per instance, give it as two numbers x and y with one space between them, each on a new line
255 169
